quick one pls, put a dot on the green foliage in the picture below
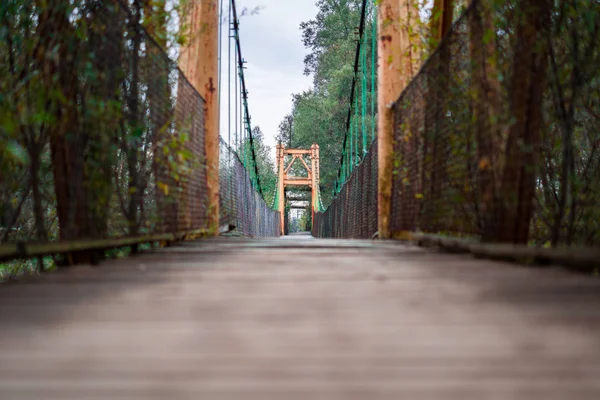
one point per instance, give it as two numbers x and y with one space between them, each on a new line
15 268
319 114
264 160
93 139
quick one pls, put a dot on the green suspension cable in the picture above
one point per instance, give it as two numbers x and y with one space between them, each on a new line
351 147
361 31
241 121
236 102
244 142
347 165
356 161
229 59
343 178
373 68
240 60
363 72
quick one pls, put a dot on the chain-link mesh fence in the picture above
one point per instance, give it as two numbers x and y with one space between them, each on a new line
101 135
243 209
498 136
353 212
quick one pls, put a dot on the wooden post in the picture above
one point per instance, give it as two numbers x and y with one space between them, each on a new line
317 172
199 63
281 186
441 20
313 175
389 88
398 61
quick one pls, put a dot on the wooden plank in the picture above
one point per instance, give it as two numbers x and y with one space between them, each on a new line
29 250
301 319
587 259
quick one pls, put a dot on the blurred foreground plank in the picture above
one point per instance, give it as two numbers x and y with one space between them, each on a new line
301 319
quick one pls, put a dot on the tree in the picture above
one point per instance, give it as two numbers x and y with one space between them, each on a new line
264 162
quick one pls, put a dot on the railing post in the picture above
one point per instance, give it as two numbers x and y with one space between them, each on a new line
313 185
398 61
281 187
199 62
314 159
389 88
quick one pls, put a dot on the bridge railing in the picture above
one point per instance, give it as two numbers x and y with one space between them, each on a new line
353 212
242 206
497 138
101 135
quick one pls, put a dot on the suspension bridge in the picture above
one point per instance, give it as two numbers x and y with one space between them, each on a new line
145 253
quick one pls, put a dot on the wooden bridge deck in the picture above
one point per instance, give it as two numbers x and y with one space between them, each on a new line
299 319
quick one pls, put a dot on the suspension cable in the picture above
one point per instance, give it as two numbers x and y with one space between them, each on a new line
236 27
373 69
350 109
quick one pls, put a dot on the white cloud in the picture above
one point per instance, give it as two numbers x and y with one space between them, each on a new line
272 46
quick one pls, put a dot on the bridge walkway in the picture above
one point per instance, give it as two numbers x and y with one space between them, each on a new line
300 319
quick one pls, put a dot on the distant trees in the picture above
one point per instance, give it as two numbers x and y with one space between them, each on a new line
497 138
319 114
264 160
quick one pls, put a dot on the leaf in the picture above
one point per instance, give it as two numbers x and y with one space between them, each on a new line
163 188
484 163
17 152
488 36
137 132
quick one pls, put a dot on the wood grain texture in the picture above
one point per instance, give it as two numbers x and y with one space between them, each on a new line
301 319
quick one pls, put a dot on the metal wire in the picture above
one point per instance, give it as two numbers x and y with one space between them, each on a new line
353 212
483 148
115 145
121 150
241 205
497 138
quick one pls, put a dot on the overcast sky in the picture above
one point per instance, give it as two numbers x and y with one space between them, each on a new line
271 43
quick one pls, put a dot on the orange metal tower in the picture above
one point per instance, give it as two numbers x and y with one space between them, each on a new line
284 179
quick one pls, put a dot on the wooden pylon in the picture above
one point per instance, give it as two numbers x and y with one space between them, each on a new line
314 158
199 63
397 63
281 187
389 88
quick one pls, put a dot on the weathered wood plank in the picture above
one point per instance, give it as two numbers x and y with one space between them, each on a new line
301 319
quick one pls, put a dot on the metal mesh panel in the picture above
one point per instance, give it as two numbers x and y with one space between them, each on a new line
101 136
353 212
497 137
241 204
